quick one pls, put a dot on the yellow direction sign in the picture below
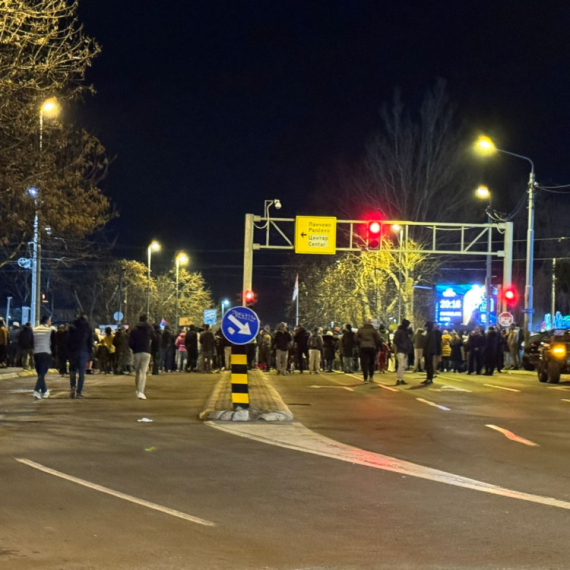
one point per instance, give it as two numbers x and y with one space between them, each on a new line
315 234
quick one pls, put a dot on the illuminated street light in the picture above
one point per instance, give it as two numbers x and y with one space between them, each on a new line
483 193
153 246
49 109
181 259
225 303
486 146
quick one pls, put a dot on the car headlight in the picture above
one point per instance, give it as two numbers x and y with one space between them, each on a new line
559 350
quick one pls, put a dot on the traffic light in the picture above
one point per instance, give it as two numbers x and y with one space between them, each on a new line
510 296
249 298
374 234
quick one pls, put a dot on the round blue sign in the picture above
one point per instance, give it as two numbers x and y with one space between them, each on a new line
240 325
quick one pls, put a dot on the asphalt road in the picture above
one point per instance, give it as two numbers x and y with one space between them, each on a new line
242 504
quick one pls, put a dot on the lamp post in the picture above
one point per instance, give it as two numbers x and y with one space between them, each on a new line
49 109
486 146
154 246
225 303
483 193
397 228
181 259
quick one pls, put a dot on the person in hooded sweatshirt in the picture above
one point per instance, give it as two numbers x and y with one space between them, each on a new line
80 349
403 345
140 341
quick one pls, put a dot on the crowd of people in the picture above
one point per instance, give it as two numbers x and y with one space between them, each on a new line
78 349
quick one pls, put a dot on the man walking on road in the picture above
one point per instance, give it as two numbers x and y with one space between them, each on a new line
140 341
403 346
429 352
315 348
80 348
347 345
44 344
282 343
368 341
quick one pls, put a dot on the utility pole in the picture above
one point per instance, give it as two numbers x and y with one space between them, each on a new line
247 258
553 300
528 294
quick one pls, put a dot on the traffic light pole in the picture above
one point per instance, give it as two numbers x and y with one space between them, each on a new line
247 258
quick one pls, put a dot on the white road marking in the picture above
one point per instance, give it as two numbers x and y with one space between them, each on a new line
297 437
449 389
389 388
513 437
118 494
501 387
432 404
559 388
563 400
335 387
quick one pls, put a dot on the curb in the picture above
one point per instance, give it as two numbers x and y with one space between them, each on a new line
273 410
24 374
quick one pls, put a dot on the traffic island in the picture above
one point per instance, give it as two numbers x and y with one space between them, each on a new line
265 403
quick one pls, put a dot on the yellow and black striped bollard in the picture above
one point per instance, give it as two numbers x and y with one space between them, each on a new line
240 389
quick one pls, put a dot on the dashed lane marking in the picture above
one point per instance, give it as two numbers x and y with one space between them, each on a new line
564 388
118 494
383 386
429 403
513 437
449 389
563 400
501 387
297 437
335 387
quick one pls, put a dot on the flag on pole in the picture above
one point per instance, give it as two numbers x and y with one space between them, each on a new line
296 289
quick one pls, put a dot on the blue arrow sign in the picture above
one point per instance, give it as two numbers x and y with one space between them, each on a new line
240 325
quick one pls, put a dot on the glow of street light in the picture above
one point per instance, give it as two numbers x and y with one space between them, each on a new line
182 259
485 145
225 302
483 192
154 246
33 192
50 107
396 227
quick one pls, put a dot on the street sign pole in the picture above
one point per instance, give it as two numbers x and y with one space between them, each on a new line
240 386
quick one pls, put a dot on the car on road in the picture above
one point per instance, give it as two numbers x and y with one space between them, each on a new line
554 357
531 351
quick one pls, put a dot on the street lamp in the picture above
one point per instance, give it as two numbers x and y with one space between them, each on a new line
485 146
400 231
154 246
181 259
483 193
49 109
225 303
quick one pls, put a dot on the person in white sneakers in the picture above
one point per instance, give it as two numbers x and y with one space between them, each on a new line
44 346
140 341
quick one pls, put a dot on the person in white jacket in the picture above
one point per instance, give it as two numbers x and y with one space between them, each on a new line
44 345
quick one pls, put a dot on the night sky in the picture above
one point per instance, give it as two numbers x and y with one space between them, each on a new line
210 107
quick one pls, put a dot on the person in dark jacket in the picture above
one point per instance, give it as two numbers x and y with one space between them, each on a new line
402 346
456 354
368 341
207 344
431 343
282 343
14 350
165 353
121 344
26 342
61 353
191 341
490 351
301 340
347 346
80 349
476 346
140 341
329 349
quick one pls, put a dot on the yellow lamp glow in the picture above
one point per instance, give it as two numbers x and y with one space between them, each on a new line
396 227
182 259
485 145
50 107
483 192
154 246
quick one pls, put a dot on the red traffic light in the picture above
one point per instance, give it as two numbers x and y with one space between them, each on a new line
374 228
374 234
249 297
510 295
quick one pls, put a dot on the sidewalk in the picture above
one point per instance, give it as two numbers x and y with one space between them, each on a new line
265 403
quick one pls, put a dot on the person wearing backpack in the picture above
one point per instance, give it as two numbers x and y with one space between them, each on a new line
315 348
